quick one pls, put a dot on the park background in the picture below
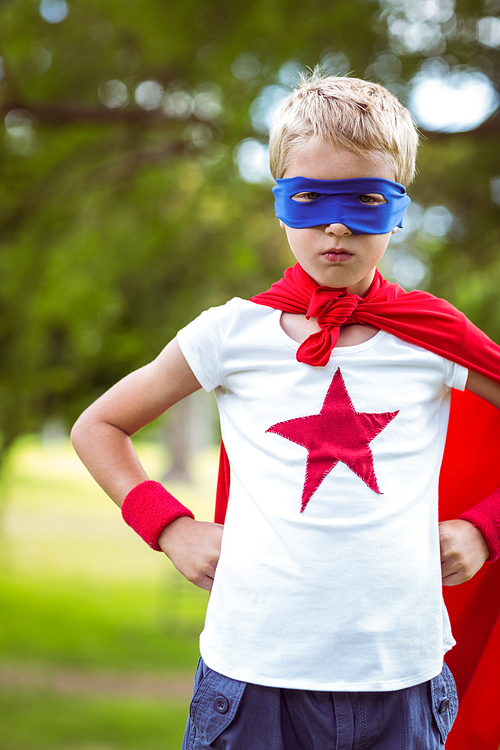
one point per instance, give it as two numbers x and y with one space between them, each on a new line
135 193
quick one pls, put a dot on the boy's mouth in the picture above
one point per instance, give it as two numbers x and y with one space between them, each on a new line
337 254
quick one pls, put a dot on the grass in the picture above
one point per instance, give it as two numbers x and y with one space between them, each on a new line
99 628
55 722
79 591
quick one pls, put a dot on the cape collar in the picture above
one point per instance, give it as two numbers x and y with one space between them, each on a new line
415 316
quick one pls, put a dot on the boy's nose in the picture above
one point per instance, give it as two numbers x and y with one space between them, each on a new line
340 230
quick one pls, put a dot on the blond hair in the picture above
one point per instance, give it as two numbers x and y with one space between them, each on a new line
350 113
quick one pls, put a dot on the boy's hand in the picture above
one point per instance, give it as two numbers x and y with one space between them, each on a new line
463 551
194 548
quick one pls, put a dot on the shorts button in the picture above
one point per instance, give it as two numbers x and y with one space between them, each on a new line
221 704
444 706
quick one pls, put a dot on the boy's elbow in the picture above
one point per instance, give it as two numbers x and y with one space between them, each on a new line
77 432
81 430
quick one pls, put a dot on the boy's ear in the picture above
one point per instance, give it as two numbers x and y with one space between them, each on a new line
394 230
281 224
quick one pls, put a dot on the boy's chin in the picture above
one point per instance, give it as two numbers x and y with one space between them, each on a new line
336 279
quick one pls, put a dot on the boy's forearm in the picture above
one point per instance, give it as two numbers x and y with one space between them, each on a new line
164 523
149 509
109 455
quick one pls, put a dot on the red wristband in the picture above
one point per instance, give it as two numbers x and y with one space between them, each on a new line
149 509
485 516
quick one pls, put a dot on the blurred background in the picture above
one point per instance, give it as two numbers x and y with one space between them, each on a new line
135 192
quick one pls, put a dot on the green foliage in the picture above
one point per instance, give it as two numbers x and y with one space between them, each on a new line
465 264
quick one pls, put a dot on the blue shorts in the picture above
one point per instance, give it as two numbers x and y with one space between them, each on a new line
233 715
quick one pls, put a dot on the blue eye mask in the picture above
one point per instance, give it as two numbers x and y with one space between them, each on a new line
338 202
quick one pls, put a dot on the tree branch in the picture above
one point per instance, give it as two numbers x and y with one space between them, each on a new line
68 113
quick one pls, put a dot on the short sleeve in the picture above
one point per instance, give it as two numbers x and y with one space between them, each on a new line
456 376
202 342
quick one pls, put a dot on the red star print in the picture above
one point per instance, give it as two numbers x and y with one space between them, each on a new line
337 433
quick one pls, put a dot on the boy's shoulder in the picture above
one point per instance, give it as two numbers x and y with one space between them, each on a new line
235 315
235 308
224 337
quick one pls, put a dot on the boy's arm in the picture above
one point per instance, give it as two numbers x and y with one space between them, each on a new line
101 437
464 549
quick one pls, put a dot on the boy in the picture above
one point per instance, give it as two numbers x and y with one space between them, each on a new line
326 626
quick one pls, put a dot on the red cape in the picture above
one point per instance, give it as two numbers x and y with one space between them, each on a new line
470 470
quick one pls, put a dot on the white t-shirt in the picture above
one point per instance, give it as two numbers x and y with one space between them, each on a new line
329 576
